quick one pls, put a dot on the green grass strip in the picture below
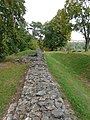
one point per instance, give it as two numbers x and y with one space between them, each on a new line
11 75
76 91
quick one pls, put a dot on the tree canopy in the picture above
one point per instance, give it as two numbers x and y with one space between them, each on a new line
12 26
37 29
14 35
57 31
79 12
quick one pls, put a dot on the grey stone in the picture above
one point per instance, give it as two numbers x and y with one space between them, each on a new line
53 97
60 100
37 114
58 104
41 103
36 118
12 107
33 100
57 113
9 117
34 108
28 118
21 116
45 118
15 117
47 113
40 93
50 107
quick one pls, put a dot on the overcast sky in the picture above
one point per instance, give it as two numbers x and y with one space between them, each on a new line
45 10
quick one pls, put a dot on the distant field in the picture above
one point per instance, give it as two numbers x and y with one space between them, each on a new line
10 76
72 71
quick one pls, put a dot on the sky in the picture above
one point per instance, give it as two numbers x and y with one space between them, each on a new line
45 10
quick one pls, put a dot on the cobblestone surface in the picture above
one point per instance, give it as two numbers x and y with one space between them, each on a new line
40 98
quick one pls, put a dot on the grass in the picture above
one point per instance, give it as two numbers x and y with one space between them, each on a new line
20 54
79 63
10 76
68 69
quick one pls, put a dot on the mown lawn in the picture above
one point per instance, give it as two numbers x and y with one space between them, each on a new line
69 70
11 74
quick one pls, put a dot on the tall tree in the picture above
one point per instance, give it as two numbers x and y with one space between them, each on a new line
57 31
11 15
79 12
61 23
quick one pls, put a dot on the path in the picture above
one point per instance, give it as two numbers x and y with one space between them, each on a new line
40 98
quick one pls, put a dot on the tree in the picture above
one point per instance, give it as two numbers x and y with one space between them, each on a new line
37 29
11 17
62 24
79 12
57 31
49 33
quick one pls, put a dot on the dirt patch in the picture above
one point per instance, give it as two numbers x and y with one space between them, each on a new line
3 65
85 81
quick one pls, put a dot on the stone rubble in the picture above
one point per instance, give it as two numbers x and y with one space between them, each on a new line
40 98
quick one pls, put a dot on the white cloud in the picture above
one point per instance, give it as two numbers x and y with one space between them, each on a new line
42 10
77 36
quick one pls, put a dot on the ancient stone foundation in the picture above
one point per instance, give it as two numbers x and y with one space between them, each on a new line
40 98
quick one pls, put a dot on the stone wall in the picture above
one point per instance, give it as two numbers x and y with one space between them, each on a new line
40 98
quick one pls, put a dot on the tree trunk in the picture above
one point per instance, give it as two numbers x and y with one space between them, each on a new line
86 44
52 49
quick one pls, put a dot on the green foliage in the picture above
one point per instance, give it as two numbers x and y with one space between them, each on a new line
10 76
75 46
79 11
61 23
14 36
57 31
33 44
37 29
53 39
72 69
40 43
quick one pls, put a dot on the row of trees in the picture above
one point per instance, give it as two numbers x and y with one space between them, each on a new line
13 33
54 33
74 16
